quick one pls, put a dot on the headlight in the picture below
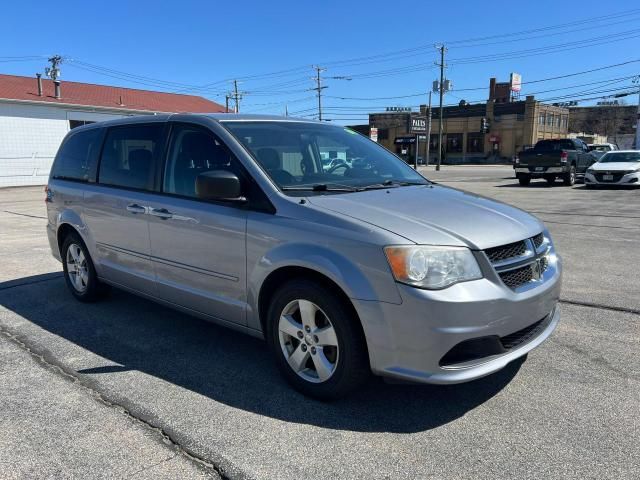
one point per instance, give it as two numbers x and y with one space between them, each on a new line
432 267
591 171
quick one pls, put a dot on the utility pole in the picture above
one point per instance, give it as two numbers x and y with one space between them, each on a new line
236 96
636 80
442 49
319 88
286 110
53 72
428 130
226 103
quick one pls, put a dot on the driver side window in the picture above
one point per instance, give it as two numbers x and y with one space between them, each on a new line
193 151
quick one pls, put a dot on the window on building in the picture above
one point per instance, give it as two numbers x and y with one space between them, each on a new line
565 121
558 121
475 143
383 134
550 119
541 118
77 156
129 156
454 142
78 123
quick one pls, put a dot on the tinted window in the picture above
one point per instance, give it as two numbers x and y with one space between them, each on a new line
129 156
554 145
77 156
194 151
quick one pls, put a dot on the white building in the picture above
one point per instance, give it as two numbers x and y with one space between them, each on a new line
33 121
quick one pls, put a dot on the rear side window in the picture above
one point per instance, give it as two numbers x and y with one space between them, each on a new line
129 156
77 156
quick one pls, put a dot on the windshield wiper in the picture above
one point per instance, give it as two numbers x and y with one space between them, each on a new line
391 183
320 187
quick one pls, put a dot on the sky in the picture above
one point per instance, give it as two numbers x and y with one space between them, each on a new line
376 54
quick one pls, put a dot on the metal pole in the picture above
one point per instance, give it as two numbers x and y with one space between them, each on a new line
318 80
236 95
226 103
428 130
415 163
441 91
637 80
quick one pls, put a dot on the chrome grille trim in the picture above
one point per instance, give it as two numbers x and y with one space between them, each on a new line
521 270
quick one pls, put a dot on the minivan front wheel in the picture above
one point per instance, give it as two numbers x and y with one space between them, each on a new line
318 347
79 272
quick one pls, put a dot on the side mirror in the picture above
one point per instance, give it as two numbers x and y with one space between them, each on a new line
219 185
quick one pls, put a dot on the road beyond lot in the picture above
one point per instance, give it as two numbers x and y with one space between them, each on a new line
128 388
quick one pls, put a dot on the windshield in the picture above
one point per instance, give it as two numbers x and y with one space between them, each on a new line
612 157
599 148
300 156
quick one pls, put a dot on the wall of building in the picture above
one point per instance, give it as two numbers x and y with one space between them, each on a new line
30 136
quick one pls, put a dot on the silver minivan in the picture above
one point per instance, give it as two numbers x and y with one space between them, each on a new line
346 267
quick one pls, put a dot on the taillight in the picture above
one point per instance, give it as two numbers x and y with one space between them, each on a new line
564 156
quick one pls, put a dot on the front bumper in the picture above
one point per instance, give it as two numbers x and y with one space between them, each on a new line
630 179
409 341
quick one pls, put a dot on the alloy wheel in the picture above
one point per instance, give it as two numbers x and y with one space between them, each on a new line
77 268
308 341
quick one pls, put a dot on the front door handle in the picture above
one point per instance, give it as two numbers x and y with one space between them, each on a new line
135 208
162 213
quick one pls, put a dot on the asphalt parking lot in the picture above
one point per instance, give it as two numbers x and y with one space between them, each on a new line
128 388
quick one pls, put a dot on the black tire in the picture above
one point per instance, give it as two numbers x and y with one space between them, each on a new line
94 289
352 361
524 179
569 178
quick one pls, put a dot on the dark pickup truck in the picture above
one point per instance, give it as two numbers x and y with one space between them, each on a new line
564 158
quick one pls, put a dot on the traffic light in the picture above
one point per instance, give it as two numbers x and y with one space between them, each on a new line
484 125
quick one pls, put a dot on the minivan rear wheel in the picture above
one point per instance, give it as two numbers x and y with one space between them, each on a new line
79 272
318 347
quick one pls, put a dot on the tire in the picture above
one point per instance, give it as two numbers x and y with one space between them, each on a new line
79 272
551 179
326 366
569 178
524 179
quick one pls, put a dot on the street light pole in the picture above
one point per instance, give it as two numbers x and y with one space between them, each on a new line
637 82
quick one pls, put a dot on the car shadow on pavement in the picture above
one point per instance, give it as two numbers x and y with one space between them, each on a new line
226 366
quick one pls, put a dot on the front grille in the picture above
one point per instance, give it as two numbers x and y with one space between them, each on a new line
497 254
529 262
617 176
516 339
518 277
538 240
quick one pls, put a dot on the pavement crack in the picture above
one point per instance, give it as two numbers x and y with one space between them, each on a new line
57 368
24 214
160 462
633 311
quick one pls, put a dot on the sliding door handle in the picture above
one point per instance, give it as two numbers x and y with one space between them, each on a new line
162 213
135 208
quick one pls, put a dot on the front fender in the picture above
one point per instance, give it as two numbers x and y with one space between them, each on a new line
376 285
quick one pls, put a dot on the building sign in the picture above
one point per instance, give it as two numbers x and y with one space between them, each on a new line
398 109
418 124
373 134
516 82
494 139
405 140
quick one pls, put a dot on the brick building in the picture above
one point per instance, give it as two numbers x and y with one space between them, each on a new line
513 124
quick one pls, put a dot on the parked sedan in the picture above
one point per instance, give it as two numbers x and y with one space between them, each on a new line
620 167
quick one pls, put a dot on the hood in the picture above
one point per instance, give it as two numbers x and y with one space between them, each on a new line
435 215
615 166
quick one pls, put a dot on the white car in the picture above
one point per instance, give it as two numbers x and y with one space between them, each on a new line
618 167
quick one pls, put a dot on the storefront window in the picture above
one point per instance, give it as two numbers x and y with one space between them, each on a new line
475 143
454 142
